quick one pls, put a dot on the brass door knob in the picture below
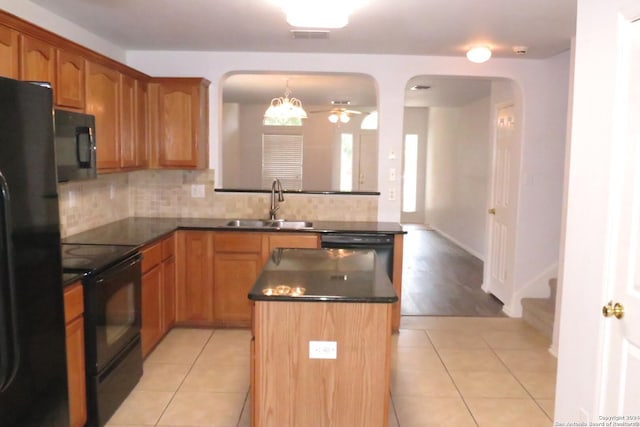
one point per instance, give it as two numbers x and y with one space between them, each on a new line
492 211
612 309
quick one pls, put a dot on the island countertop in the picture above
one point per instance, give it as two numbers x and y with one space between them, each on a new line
323 275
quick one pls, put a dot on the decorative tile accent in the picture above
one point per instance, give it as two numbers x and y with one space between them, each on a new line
167 193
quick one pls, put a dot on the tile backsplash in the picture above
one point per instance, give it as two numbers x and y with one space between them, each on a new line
168 193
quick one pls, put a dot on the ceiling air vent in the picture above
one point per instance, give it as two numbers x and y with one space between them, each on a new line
309 34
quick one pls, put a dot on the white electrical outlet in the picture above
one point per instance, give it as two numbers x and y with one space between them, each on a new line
323 350
392 194
197 191
392 174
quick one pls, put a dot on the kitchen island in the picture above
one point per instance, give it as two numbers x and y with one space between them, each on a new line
321 339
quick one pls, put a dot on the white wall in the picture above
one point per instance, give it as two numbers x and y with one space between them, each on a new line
530 75
458 173
63 27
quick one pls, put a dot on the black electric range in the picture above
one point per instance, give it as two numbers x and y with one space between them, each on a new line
93 259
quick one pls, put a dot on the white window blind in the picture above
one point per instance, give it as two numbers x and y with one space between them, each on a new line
282 159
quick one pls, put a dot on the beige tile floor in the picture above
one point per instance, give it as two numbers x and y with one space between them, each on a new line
445 371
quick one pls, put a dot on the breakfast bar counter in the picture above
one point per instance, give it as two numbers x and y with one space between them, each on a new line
321 339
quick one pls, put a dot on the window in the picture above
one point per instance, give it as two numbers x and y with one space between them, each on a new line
410 179
346 162
282 159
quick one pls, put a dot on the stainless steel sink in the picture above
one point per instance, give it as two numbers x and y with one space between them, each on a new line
269 223
249 223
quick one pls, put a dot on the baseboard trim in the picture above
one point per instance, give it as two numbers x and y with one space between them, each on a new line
459 243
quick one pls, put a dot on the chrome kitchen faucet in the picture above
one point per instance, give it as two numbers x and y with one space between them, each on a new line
276 185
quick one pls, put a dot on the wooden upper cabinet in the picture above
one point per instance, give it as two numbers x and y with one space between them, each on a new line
9 53
70 73
102 91
128 148
37 61
142 124
183 123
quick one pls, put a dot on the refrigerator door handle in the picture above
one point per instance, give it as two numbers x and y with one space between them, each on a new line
83 130
9 347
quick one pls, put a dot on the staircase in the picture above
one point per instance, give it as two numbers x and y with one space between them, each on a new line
540 312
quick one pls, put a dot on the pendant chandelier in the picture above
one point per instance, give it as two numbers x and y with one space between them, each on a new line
285 110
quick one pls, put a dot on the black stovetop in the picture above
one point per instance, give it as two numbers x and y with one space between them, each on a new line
93 258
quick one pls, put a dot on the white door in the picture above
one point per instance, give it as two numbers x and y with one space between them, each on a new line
367 170
599 358
502 212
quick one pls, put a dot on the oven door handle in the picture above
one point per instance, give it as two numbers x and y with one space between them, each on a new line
118 268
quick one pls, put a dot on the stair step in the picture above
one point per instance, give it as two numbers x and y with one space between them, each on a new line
539 313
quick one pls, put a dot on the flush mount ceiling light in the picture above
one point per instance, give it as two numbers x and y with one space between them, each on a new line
285 110
479 54
318 13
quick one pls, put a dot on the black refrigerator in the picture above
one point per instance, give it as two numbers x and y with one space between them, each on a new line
33 375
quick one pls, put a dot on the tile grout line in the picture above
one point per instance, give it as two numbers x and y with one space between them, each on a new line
493 350
185 377
464 401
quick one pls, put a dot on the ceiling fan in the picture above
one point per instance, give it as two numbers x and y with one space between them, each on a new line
335 115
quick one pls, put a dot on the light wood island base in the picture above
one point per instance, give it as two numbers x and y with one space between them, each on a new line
289 388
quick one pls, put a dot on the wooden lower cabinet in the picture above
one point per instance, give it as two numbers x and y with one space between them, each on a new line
288 388
158 292
216 270
74 328
151 332
169 292
234 276
194 294
292 240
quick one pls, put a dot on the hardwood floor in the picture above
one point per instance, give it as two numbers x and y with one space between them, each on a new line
441 279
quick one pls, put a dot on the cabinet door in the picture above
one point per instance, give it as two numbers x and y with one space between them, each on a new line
194 296
169 293
102 101
76 372
37 61
151 331
9 53
235 274
142 123
183 123
70 73
128 114
74 332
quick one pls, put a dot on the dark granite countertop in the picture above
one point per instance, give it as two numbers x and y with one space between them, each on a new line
70 278
139 231
323 275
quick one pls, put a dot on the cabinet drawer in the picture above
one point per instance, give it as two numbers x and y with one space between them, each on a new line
73 302
238 242
169 246
151 256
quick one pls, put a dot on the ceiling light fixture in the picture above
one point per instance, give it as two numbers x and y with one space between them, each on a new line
284 109
479 54
341 116
318 13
